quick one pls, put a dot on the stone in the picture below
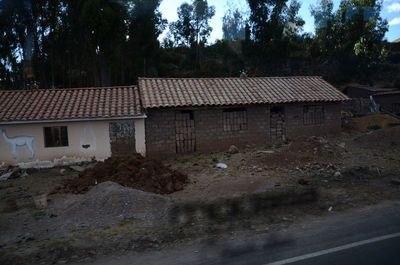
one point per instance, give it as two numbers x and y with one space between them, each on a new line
342 145
62 171
233 149
77 168
337 174
266 152
303 182
395 181
6 176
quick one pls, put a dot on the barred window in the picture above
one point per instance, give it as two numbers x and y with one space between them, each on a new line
313 114
234 119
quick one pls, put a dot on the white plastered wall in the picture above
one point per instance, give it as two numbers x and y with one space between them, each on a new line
86 140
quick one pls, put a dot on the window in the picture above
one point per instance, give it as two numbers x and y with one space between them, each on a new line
234 120
313 114
55 136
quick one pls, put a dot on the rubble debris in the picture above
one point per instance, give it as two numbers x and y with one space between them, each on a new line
303 182
233 149
133 171
77 168
40 201
395 181
6 176
266 152
221 165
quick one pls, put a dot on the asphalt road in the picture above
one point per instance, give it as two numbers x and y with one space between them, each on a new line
364 236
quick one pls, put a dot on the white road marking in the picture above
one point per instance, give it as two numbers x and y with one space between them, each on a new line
332 250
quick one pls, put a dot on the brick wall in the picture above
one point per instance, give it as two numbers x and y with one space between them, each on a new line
210 134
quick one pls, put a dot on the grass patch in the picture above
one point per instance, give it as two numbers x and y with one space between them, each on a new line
39 214
214 159
374 127
185 160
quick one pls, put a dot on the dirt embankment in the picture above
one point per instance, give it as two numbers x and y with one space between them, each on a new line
133 171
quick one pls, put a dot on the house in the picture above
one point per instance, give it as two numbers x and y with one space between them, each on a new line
163 117
364 91
211 114
387 98
41 128
389 101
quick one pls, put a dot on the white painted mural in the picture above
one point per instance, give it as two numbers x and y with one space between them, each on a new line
19 141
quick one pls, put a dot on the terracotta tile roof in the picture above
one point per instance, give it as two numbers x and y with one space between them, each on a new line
394 92
174 92
75 103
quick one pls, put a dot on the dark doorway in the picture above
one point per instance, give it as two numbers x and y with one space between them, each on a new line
122 137
185 132
277 124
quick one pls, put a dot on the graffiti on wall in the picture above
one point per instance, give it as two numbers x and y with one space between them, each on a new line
20 141
88 139
122 137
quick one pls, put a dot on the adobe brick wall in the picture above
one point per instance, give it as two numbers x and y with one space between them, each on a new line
210 136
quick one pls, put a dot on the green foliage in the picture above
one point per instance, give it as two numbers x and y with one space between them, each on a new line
233 25
352 36
192 27
374 127
68 43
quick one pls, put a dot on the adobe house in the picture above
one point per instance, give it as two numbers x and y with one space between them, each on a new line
162 117
41 128
210 114
388 101
364 91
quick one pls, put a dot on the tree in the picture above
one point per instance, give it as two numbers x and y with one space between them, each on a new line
145 25
192 28
353 35
267 19
233 25
294 23
324 26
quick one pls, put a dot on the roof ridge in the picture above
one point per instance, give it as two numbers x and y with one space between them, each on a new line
233 77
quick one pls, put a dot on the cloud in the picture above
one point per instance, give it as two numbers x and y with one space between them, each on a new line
394 7
394 21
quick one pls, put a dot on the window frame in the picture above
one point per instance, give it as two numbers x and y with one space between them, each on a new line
316 119
227 115
62 136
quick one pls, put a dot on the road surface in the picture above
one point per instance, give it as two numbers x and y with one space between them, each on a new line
364 236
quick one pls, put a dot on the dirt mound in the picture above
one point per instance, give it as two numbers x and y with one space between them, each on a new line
133 171
109 203
363 123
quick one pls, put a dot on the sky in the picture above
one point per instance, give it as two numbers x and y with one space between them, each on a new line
390 11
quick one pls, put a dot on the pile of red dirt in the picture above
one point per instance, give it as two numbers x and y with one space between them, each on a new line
133 171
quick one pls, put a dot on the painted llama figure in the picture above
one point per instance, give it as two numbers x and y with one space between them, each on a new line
19 141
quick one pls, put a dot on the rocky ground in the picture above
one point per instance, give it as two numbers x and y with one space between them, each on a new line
261 189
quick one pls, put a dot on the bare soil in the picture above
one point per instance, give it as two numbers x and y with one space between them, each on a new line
302 178
133 171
